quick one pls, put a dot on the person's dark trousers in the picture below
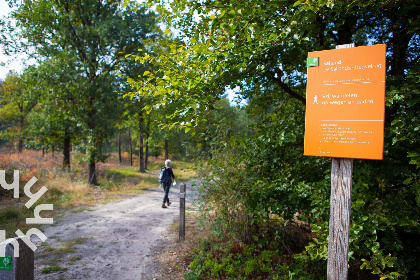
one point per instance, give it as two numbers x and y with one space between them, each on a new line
166 188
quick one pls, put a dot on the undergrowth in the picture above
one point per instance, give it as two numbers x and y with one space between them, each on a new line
270 255
274 252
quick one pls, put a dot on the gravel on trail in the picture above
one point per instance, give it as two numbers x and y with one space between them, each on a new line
114 241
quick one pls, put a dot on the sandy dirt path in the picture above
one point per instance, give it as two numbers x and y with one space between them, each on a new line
114 241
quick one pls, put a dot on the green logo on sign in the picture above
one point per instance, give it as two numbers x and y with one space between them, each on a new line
5 263
312 61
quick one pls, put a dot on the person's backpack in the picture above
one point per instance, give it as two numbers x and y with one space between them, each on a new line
163 175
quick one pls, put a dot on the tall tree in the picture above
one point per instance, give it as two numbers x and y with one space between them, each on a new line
58 115
98 33
18 97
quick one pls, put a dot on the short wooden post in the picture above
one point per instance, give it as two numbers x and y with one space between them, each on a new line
20 268
182 195
339 227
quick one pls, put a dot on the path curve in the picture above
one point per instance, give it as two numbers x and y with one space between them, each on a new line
115 239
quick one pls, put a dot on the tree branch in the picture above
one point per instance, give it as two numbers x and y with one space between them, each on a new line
286 88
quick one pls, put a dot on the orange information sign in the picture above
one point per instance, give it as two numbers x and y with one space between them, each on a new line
345 103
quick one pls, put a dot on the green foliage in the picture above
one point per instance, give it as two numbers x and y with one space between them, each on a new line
12 214
228 258
219 260
18 97
57 115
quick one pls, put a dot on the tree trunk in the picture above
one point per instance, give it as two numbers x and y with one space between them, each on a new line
20 141
146 157
20 145
101 158
52 150
141 131
131 147
210 148
166 150
92 134
400 41
91 173
147 143
204 146
43 150
119 147
66 150
92 153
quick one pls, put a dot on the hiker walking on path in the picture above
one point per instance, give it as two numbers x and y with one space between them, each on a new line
165 178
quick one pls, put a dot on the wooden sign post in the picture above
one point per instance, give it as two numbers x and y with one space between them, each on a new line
345 111
340 209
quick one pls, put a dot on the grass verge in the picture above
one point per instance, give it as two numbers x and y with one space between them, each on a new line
53 268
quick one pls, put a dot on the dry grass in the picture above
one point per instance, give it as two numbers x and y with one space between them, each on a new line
29 161
185 174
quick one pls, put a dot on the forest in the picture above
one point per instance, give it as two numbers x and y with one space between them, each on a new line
152 79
